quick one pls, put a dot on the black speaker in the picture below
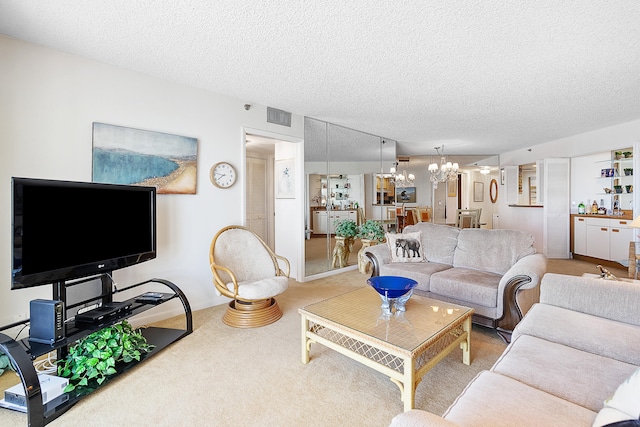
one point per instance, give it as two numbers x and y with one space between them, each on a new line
47 321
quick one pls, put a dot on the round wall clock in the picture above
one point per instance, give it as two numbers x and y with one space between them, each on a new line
223 175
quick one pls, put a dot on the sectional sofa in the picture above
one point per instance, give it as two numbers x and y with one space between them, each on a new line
496 272
573 361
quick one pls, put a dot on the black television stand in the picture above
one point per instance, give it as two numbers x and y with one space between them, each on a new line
23 352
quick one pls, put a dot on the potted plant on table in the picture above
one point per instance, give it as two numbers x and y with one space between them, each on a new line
370 233
346 231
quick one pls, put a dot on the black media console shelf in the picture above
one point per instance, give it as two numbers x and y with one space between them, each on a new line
23 352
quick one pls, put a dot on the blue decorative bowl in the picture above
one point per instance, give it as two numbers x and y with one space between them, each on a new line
392 286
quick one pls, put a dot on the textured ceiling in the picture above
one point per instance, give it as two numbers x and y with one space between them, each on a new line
480 77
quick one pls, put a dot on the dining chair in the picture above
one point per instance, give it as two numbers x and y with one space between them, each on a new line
467 218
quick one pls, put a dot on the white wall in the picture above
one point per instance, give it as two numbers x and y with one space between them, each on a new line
48 101
584 144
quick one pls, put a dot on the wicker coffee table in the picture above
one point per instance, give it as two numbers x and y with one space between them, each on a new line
403 346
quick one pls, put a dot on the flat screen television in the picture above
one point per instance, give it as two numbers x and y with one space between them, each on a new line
64 230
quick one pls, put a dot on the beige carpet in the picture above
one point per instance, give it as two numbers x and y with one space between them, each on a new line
221 376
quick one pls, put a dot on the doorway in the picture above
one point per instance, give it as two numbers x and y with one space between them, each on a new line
259 197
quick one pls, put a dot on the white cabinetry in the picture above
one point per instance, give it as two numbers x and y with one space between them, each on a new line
604 238
598 238
320 222
580 235
325 221
620 234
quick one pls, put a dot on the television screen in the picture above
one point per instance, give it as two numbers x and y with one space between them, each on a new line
64 230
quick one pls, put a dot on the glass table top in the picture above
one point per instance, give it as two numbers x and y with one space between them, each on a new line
360 310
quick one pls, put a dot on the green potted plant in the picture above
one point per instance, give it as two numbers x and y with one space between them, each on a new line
627 154
346 231
370 233
94 357
371 230
346 228
5 363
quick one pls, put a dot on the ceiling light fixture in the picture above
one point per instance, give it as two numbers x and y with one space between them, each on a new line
401 179
447 171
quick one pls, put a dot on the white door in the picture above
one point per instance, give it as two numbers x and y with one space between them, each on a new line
556 208
257 197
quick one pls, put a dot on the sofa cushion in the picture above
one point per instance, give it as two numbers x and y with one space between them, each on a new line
624 404
474 286
438 241
615 300
421 272
585 332
495 400
582 378
491 250
405 247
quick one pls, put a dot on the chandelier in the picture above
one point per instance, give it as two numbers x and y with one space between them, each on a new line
447 171
401 179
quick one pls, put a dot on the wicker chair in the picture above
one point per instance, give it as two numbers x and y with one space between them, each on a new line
246 270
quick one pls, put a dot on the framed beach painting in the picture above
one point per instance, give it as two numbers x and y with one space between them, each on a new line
123 155
285 179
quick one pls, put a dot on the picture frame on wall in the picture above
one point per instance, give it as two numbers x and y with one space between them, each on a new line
406 195
478 191
285 179
452 188
130 156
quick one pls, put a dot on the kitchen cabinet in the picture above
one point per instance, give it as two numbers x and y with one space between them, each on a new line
324 221
598 238
385 190
603 238
620 234
320 222
580 235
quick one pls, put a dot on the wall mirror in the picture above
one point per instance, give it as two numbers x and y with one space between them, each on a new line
341 167
493 191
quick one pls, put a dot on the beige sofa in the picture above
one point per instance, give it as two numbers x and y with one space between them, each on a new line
496 272
575 349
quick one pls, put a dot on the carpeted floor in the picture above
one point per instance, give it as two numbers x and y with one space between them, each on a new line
221 376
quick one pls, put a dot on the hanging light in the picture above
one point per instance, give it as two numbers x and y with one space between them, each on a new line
447 171
401 179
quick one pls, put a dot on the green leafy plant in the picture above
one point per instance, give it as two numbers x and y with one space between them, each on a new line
346 228
371 230
5 363
95 356
627 154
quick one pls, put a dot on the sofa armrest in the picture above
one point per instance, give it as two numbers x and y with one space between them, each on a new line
615 300
520 289
378 255
419 418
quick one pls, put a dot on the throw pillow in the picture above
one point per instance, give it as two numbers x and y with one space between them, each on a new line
623 405
405 247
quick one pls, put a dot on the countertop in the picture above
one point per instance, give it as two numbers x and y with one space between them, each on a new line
627 215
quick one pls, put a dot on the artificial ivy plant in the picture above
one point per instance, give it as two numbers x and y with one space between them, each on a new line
95 356
5 363
372 230
346 228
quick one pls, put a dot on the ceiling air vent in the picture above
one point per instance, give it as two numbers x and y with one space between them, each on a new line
278 117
